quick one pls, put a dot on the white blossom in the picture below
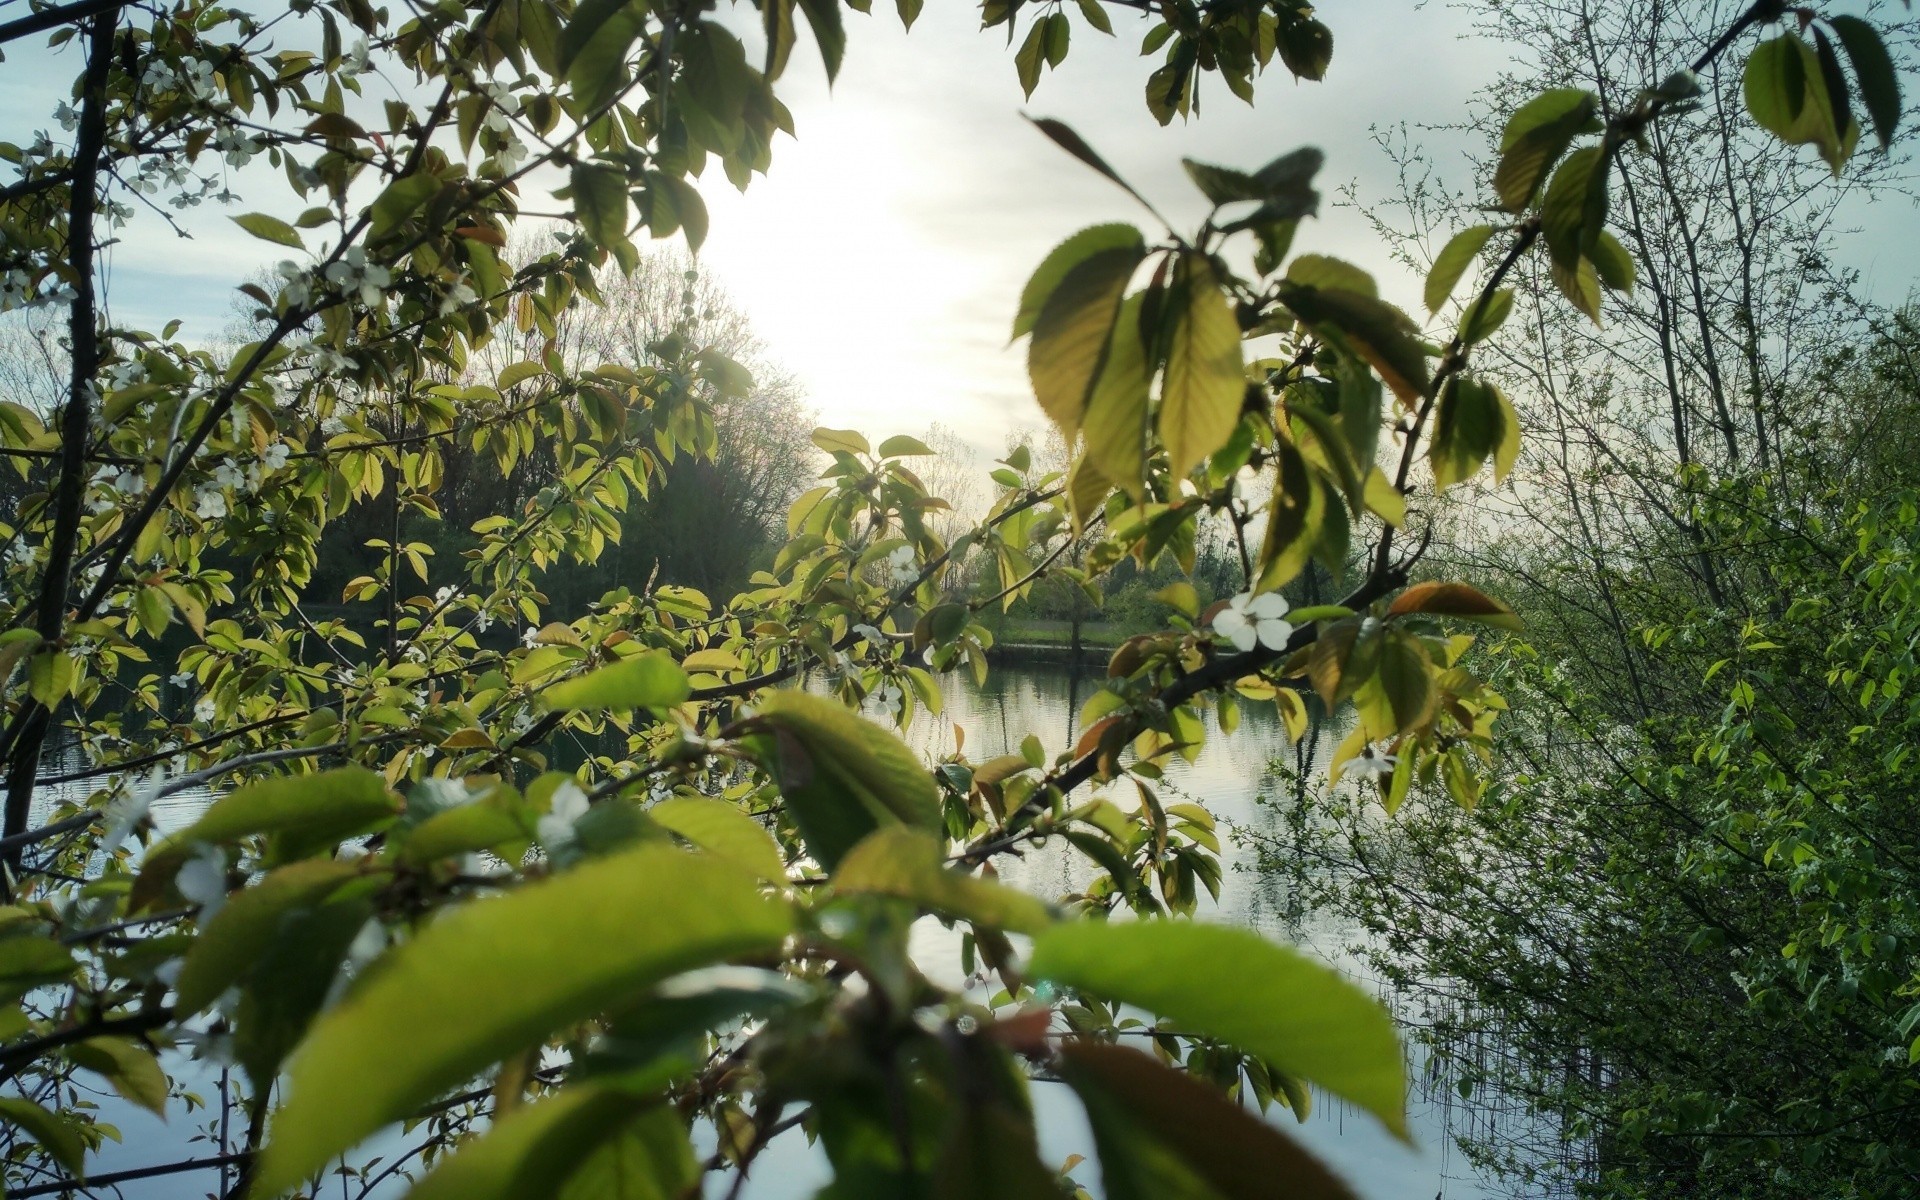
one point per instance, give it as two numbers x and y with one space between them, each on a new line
298 286
530 638
351 272
203 880
1368 765
209 504
204 709
504 108
125 814
901 564
556 828
183 679
275 456
459 296
1249 620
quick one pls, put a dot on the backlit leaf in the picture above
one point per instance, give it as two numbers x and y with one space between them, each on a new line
515 969
907 864
1205 377
1235 985
649 680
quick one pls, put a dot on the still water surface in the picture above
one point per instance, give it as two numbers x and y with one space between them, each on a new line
1229 776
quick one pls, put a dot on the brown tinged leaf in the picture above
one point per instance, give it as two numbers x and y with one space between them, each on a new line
1238 1154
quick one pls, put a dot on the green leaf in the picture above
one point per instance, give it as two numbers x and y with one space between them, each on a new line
594 48
303 813
828 34
1294 517
1470 424
908 864
1222 185
1239 1155
1028 58
777 23
1096 16
536 1150
1046 278
1064 137
56 1136
250 921
723 830
1324 271
515 969
1205 381
1612 262
128 1066
593 23
1485 317
1575 209
1786 94
1070 337
600 199
902 446
840 441
1874 70
1306 47
26 962
401 199
1405 679
270 229
1535 137
843 776
1233 984
1452 262
648 680
1375 330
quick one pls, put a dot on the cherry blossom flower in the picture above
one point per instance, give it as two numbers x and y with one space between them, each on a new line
1249 620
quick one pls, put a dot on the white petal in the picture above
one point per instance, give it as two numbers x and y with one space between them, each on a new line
1274 634
1269 605
1229 622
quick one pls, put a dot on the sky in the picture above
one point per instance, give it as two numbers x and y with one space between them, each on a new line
882 256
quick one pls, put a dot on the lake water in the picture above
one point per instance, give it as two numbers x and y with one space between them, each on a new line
1229 776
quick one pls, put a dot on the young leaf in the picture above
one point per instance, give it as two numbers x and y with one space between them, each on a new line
600 199
1452 262
1234 985
907 864
1070 336
649 680
534 1152
1094 240
270 229
843 776
1535 137
723 830
515 968
1484 317
1205 379
1115 424
60 1140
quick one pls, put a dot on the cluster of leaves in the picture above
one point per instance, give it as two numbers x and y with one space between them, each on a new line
707 924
